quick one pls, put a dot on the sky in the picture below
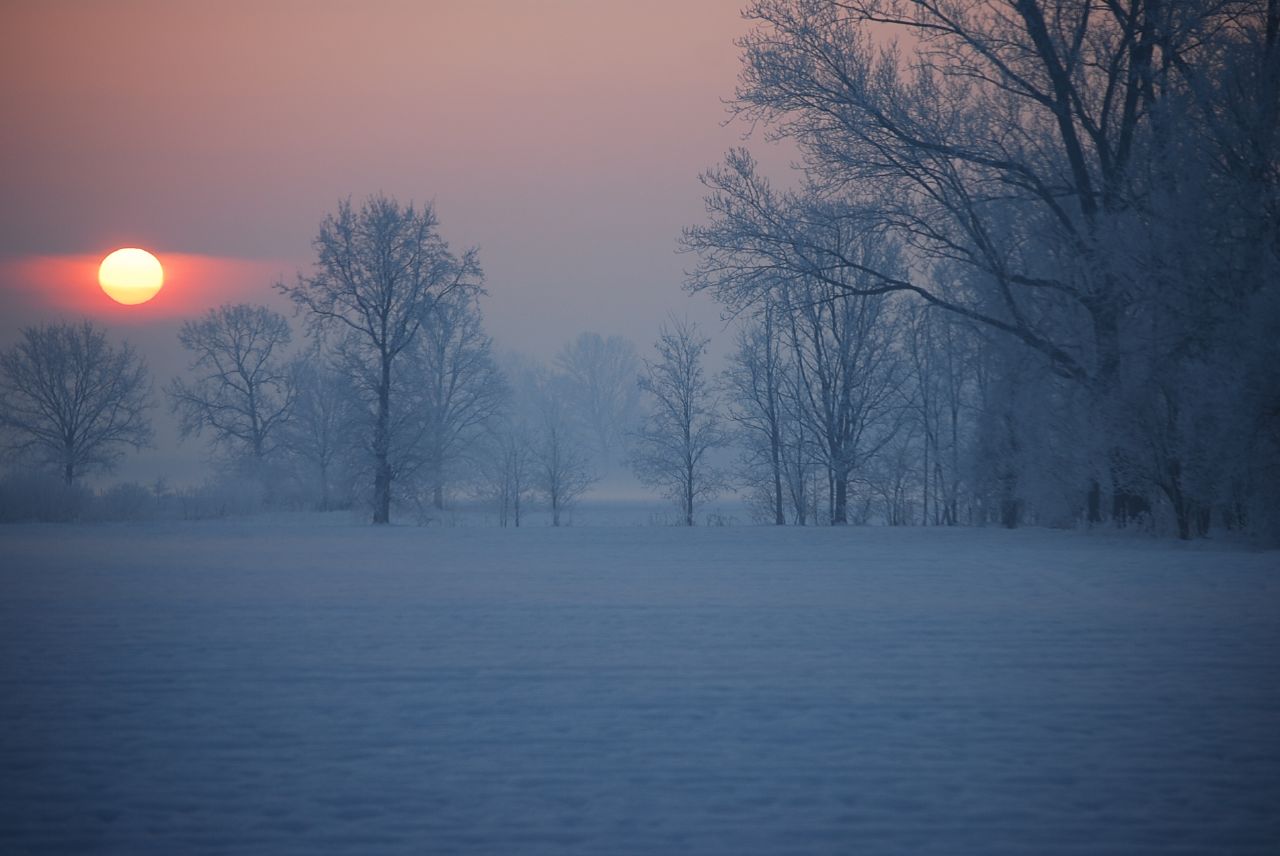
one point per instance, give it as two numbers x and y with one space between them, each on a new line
562 137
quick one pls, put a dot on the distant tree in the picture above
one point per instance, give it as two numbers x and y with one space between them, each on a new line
508 468
379 272
70 399
454 386
318 435
1095 182
561 467
755 380
940 357
508 459
682 429
242 389
601 382
847 374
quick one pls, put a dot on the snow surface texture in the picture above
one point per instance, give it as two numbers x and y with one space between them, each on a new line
243 688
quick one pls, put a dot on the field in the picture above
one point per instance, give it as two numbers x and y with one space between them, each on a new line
304 686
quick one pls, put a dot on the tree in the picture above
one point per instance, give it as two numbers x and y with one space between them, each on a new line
318 434
1007 125
379 272
674 445
508 467
848 376
601 382
561 468
508 464
455 386
939 358
243 388
755 380
1096 182
70 399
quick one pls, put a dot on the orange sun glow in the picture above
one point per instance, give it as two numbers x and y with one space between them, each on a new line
131 276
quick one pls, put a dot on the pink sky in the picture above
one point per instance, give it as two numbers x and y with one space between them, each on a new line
564 137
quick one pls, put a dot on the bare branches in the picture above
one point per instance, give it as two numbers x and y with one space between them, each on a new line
379 272
70 399
682 429
242 387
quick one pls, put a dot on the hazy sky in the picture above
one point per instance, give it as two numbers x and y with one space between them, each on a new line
563 138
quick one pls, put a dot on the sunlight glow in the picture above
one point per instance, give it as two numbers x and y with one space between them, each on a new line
131 276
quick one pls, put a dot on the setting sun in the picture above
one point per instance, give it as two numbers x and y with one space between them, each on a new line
131 276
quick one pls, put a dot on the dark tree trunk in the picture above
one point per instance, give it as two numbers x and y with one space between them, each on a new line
1010 513
1094 502
382 449
324 487
688 496
779 512
1127 506
839 509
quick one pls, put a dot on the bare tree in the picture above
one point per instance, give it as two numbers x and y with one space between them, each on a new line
324 419
561 468
1080 177
455 387
379 271
70 399
755 381
674 445
939 358
509 452
242 389
601 375
508 466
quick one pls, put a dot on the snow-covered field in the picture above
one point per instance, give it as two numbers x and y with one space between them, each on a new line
306 688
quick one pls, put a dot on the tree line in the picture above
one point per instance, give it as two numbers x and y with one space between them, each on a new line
1027 272
395 396
1065 216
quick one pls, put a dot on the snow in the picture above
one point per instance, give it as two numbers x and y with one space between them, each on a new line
299 687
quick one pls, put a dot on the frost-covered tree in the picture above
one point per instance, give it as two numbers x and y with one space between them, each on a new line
1094 183
940 354
561 465
508 452
455 387
379 271
508 468
682 430
241 385
70 399
755 382
848 375
318 436
600 379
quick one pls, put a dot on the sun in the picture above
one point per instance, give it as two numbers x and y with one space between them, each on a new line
131 276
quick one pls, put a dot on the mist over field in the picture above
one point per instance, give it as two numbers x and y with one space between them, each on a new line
788 426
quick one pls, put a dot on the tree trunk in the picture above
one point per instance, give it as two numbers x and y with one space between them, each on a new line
839 510
924 494
382 449
1010 512
1095 502
688 496
779 513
